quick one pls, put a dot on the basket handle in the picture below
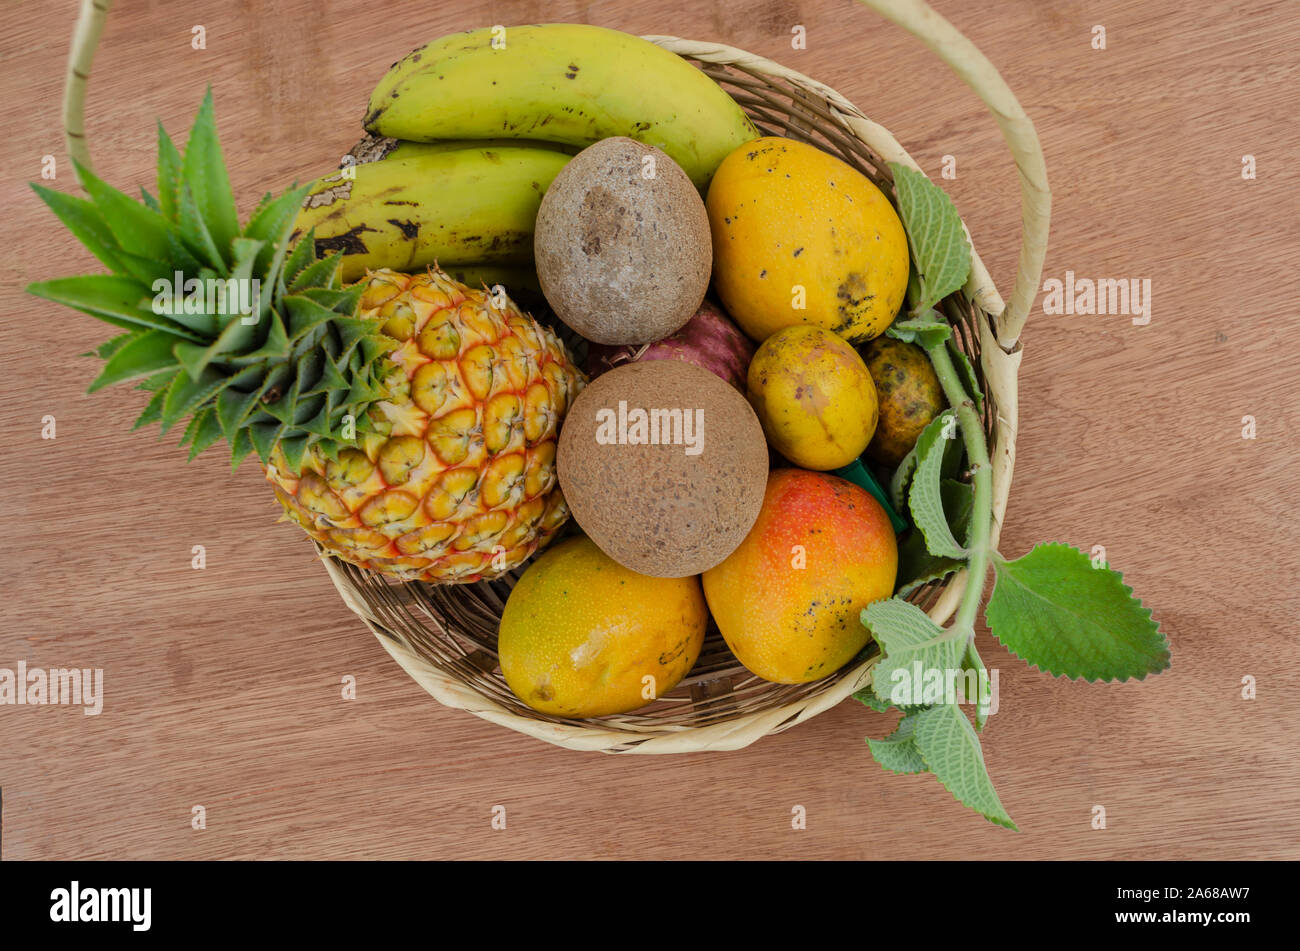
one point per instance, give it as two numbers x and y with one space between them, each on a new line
974 69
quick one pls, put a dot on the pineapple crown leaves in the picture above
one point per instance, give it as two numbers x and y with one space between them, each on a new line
254 340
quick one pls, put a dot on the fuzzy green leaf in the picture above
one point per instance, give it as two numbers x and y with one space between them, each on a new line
940 249
929 331
916 566
867 696
925 499
204 172
908 636
1055 611
897 752
951 750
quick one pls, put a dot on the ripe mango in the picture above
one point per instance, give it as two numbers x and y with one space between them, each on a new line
788 600
580 633
801 237
813 396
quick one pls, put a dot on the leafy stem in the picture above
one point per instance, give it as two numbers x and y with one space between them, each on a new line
1054 608
981 519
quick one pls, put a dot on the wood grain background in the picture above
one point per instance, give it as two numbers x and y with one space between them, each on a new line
223 685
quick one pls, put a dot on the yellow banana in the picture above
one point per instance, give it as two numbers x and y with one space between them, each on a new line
565 82
402 149
459 207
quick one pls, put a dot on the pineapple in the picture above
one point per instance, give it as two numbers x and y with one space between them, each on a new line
408 423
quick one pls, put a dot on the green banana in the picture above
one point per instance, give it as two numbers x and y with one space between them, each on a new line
461 207
565 82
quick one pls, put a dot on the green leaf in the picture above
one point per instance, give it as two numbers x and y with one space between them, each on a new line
265 436
234 407
112 345
240 447
86 223
305 314
116 300
867 696
275 345
940 249
951 750
273 222
185 395
1055 611
323 272
204 172
925 499
142 356
153 411
300 257
907 637
194 230
916 566
928 331
202 432
898 752
136 228
169 173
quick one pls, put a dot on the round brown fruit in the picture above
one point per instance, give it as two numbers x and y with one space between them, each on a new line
664 466
622 244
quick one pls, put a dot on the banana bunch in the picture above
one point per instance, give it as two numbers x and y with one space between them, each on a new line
465 206
476 125
562 82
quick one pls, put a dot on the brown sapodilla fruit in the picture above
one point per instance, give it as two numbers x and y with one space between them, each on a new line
664 466
622 244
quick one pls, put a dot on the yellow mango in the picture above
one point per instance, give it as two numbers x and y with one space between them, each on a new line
813 396
800 237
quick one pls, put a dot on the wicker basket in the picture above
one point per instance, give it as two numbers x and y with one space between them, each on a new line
445 636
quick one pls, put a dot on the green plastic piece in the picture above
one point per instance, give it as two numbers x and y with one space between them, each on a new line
861 476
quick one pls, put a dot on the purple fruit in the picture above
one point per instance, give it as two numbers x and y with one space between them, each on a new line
708 340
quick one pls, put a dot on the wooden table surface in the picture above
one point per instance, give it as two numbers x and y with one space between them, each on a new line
223 686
